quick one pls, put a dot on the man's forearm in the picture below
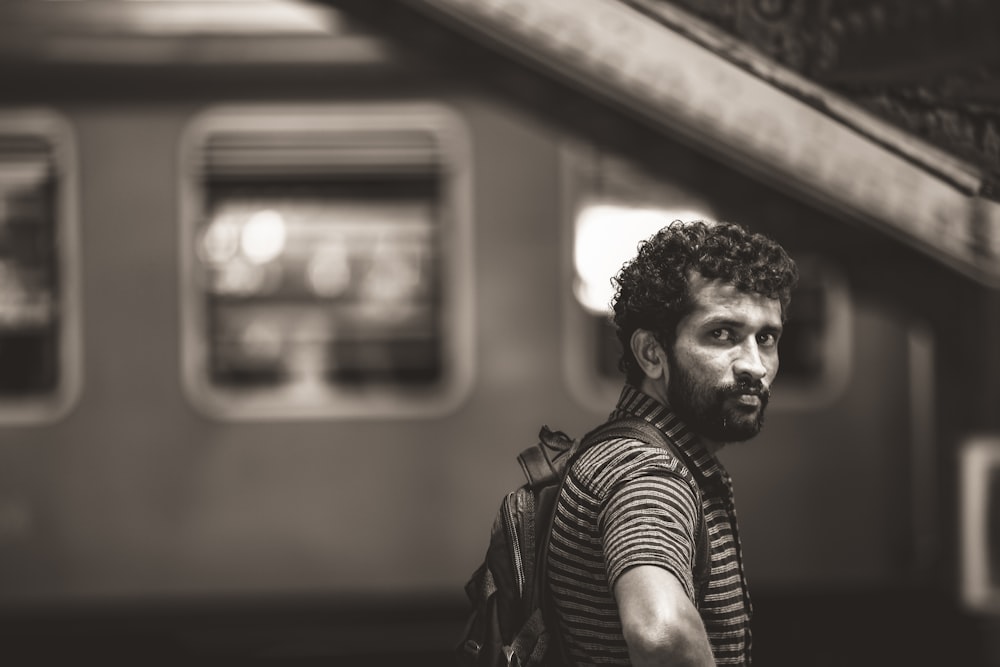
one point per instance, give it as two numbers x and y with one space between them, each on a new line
660 624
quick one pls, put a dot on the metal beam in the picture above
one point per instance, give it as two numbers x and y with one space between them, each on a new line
812 142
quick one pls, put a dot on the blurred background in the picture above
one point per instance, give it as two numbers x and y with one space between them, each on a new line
285 287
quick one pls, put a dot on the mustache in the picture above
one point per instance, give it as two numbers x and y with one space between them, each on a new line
746 388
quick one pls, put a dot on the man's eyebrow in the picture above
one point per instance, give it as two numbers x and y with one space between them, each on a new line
728 321
722 321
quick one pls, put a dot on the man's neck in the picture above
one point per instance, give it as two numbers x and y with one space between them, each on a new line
658 391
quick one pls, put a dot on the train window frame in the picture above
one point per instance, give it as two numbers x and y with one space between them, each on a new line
979 478
586 186
51 127
453 150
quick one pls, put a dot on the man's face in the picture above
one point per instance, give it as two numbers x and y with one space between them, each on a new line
724 360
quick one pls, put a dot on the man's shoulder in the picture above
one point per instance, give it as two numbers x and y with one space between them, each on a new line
607 463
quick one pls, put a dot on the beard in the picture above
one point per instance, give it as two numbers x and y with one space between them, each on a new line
715 412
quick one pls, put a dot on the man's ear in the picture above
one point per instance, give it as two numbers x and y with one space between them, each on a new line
649 353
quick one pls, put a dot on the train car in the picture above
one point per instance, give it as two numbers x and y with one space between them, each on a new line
285 288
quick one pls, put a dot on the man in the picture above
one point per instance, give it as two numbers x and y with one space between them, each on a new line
699 312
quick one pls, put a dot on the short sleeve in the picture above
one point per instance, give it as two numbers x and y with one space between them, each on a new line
650 520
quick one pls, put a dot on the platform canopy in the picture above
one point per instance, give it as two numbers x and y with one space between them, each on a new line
782 116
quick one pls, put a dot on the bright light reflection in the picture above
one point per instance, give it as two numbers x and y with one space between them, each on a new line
220 241
394 275
238 277
263 236
329 270
606 238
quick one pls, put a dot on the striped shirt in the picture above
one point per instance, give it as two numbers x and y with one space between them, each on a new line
628 503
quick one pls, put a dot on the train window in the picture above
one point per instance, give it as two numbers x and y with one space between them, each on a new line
606 223
327 262
39 323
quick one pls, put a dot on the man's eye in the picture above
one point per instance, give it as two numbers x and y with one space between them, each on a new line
767 339
723 334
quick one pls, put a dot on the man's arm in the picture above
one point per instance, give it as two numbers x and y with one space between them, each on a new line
660 623
648 526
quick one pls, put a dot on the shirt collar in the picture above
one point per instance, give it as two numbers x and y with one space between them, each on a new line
635 403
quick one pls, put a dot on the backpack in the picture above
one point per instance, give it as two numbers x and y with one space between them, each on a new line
512 623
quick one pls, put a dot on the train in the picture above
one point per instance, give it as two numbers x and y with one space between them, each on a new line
283 298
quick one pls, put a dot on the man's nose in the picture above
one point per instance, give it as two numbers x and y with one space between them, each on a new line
749 364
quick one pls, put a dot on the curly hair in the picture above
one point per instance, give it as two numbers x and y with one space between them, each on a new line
652 291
